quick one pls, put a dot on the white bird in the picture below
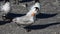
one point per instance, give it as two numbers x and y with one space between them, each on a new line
29 18
5 9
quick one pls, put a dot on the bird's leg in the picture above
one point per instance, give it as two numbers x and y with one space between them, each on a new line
26 5
18 24
28 30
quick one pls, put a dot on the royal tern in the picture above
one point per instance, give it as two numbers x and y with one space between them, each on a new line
29 18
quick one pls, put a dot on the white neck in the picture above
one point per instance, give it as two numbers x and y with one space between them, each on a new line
32 9
30 12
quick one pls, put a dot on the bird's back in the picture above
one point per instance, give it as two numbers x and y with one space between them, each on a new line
24 20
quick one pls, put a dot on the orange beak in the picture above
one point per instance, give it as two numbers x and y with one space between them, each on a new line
33 14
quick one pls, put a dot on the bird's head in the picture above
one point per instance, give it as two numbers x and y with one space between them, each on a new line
35 11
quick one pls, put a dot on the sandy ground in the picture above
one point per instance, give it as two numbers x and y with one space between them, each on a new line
48 19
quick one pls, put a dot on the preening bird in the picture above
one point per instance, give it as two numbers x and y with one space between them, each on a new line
29 18
5 9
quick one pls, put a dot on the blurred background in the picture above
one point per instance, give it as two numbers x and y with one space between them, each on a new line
48 19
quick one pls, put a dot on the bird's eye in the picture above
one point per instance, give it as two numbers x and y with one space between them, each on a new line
37 8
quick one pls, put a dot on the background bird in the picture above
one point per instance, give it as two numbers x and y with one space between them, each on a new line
5 9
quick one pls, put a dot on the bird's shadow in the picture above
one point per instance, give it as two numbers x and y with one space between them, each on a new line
40 15
43 15
4 22
25 1
36 27
13 15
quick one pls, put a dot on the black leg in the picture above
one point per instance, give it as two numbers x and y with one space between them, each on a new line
28 30
18 24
